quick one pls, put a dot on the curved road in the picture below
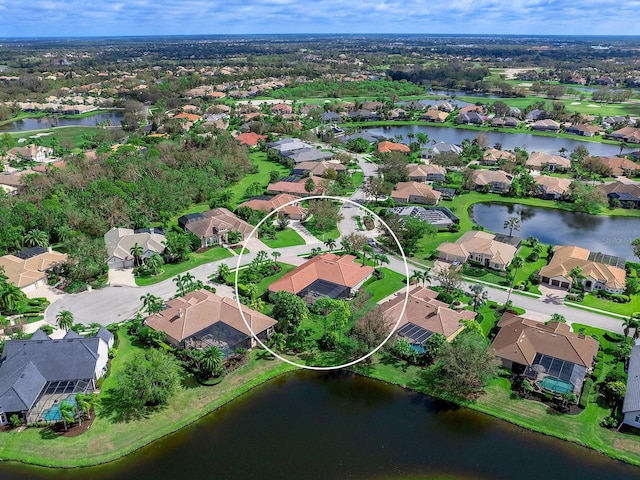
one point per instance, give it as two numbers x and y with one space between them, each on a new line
118 303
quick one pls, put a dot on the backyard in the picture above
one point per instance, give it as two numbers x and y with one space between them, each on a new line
284 238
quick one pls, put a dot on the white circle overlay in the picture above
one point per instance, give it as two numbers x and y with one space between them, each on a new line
275 211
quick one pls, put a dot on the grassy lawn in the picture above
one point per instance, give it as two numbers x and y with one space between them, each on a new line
322 235
195 259
379 289
107 440
259 159
66 134
357 178
265 282
284 238
610 306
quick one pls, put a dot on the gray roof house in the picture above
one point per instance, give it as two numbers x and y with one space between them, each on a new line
309 155
631 405
39 373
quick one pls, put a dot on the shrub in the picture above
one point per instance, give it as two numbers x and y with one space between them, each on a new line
445 297
620 298
616 376
574 297
613 337
15 420
609 422
586 393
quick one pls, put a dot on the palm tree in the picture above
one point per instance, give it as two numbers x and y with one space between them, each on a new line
512 223
330 244
425 277
275 254
380 258
366 249
36 238
576 274
136 252
211 359
155 262
516 263
261 257
151 303
627 323
346 246
180 284
68 413
478 295
63 232
223 271
83 405
189 282
416 276
251 290
10 296
533 241
277 342
64 319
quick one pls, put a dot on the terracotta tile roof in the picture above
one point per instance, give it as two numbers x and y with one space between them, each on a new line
416 170
471 108
340 270
619 165
554 185
477 242
267 205
493 155
565 258
386 147
188 315
519 339
250 138
188 116
319 168
297 187
485 177
425 311
23 273
43 168
405 190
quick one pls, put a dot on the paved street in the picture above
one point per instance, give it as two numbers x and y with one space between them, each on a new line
118 303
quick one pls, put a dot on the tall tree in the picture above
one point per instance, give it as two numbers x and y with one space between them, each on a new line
211 360
479 295
512 223
64 319
36 238
136 252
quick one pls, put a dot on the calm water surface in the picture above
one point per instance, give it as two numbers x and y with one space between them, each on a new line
610 235
50 122
338 426
531 143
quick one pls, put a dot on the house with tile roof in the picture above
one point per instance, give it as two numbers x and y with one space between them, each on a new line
309 154
426 173
620 166
584 129
327 275
495 181
552 188
213 226
250 139
201 319
415 192
492 156
27 270
553 357
424 316
625 193
120 241
387 147
317 169
479 247
554 163
437 116
38 373
626 134
546 125
599 275
269 203
297 186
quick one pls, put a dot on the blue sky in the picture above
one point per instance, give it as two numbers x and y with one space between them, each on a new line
33 18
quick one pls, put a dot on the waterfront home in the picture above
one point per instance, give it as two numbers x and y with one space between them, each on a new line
620 166
584 130
267 204
554 163
426 173
492 156
441 147
423 316
495 181
201 319
551 356
327 275
481 247
437 116
119 243
552 188
546 125
470 118
631 405
415 192
213 226
628 194
601 272
28 269
39 373
626 134
508 122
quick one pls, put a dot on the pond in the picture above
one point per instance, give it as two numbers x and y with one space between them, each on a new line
531 143
598 233
310 425
28 124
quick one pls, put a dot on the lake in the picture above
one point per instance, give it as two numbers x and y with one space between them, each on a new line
531 143
610 235
334 425
43 123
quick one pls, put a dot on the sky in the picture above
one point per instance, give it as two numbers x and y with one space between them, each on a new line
51 18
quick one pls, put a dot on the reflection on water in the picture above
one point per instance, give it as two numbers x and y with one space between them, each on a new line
598 233
28 124
311 425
